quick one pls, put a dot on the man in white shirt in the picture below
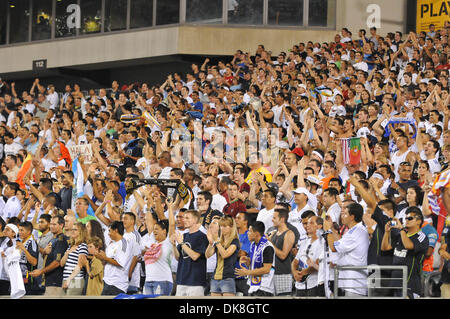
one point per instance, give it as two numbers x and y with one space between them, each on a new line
351 250
164 162
218 201
12 206
359 63
329 200
268 201
11 147
295 216
134 241
52 96
117 258
305 266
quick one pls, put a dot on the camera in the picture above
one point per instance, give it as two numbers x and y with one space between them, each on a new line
393 223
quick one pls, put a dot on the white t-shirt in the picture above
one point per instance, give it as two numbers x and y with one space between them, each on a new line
165 173
334 211
134 241
295 218
11 208
265 216
160 270
218 202
114 275
312 252
352 251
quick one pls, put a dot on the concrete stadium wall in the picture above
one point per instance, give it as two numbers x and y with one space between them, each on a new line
353 15
191 39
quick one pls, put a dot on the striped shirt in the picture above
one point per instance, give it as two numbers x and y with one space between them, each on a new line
72 261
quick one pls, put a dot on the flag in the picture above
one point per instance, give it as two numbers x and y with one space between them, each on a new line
435 200
150 120
351 150
23 171
65 154
78 191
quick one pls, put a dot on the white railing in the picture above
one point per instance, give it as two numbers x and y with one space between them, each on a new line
374 280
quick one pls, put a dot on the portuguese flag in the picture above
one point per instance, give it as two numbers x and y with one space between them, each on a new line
351 150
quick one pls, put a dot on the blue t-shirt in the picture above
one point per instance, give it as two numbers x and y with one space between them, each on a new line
198 106
245 246
190 272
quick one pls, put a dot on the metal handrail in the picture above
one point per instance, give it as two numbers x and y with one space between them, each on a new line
372 280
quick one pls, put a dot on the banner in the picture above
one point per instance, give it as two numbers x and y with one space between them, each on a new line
82 149
432 12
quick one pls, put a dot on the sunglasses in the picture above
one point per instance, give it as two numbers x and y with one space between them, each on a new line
409 218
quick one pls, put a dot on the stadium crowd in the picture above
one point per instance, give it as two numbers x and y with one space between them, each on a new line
358 128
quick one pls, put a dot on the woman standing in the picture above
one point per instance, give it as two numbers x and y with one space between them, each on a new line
94 229
75 256
424 175
414 197
226 246
157 254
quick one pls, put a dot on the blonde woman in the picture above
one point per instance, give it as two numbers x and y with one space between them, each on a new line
226 246
75 256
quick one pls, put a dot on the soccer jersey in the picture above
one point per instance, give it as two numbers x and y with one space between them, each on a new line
413 259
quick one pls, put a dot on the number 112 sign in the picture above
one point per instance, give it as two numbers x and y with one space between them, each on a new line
39 64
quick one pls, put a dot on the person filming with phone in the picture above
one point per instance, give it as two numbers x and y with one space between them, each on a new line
409 245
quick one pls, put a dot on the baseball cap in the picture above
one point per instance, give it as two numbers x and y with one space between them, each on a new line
298 151
301 190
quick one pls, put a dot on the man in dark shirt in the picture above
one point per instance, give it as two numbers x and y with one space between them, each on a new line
398 190
28 257
259 263
66 192
189 249
204 200
55 251
133 150
409 245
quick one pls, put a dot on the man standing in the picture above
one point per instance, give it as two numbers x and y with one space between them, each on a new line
235 205
11 147
283 240
116 258
134 241
44 238
28 256
66 192
212 186
204 200
260 263
55 251
268 201
12 205
242 222
351 249
330 203
305 266
295 216
410 245
189 249
81 207
13 169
